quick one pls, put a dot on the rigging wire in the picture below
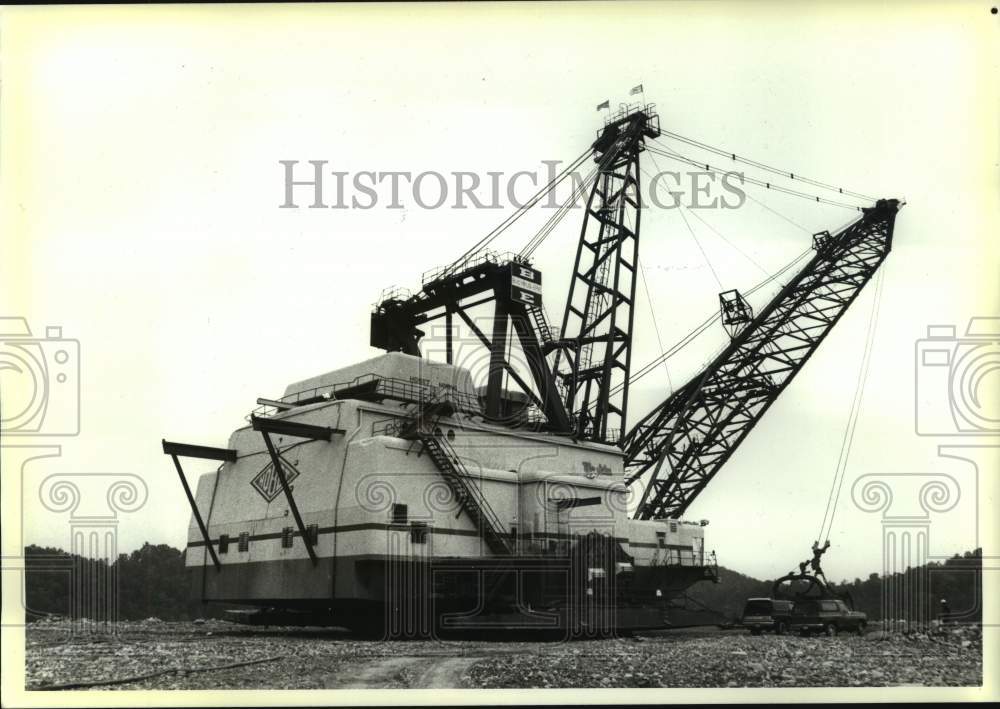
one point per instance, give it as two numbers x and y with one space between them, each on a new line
777 213
717 233
779 273
520 212
656 327
700 248
852 421
532 245
664 151
714 230
699 329
670 154
563 210
753 180
784 173
652 315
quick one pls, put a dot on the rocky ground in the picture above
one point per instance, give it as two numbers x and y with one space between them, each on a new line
157 655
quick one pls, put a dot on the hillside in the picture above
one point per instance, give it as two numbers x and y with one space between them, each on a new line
958 579
151 583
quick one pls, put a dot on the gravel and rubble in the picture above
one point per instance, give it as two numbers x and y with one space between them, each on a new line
61 653
950 657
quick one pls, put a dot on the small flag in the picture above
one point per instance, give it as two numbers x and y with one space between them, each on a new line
635 90
606 104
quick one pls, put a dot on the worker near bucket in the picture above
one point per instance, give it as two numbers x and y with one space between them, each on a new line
944 611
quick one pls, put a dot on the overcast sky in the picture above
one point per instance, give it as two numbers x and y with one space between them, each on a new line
141 185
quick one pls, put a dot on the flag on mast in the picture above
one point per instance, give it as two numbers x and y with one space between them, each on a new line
635 90
606 104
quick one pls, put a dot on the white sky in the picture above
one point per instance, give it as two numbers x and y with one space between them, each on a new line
140 188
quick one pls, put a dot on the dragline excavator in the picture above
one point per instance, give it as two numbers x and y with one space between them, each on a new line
580 373
402 491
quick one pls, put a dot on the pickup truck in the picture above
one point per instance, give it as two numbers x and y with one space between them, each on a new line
827 616
766 614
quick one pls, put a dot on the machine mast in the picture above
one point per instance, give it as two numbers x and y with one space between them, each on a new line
597 321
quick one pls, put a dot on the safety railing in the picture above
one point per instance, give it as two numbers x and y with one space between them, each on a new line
627 109
393 293
612 437
536 417
470 262
684 557
374 387
388 427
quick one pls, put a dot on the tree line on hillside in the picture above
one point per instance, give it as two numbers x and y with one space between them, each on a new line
152 583
958 580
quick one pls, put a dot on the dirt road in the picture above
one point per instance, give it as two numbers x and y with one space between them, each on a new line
411 672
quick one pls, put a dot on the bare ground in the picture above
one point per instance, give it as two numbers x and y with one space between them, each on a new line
236 657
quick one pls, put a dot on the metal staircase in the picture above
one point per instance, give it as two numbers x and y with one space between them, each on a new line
546 336
422 425
428 413
466 492
550 339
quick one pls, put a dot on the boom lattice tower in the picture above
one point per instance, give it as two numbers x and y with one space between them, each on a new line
687 439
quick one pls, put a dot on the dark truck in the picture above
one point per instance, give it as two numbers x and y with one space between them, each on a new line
827 616
762 614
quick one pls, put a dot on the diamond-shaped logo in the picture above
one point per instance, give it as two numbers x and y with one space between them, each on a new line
267 483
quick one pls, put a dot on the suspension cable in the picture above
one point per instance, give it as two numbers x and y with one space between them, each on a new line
690 230
784 173
714 230
852 420
518 213
699 329
681 344
701 248
687 339
777 213
719 234
652 316
754 181
554 221
563 210
778 274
